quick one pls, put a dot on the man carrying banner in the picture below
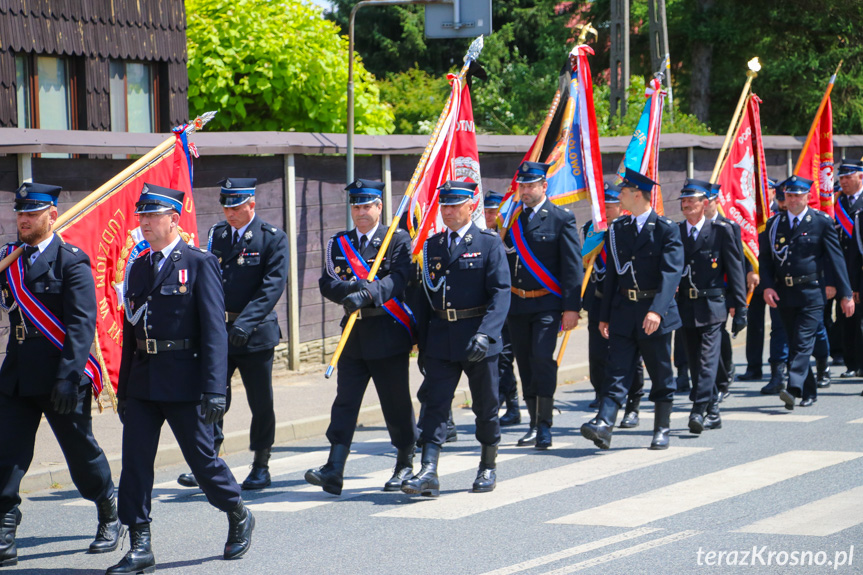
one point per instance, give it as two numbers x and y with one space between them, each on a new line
508 390
849 204
174 368
253 257
597 345
379 345
467 284
51 300
800 245
544 253
712 279
638 311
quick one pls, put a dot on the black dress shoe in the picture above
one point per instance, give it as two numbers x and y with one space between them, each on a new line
139 558
110 530
696 423
543 436
788 399
807 401
848 374
259 476
750 375
598 432
528 438
187 480
630 420
241 523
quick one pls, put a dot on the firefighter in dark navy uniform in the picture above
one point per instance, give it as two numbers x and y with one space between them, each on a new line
712 255
638 311
598 349
173 369
544 255
800 246
467 284
253 256
39 378
848 206
508 386
379 345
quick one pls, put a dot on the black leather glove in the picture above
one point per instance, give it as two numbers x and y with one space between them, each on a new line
121 410
357 300
477 348
739 321
357 285
64 396
238 337
421 362
212 407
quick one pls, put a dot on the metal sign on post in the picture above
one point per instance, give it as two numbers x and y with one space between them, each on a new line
461 19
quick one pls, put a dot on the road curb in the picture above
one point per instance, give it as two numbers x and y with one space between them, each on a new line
58 476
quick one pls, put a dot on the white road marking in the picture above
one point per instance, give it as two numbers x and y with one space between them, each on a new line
818 518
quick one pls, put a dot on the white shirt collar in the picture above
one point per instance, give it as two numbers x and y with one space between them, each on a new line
369 235
167 251
42 246
461 231
799 216
242 230
697 226
642 219
539 205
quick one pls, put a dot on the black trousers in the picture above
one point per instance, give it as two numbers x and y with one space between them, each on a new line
755 333
437 391
141 430
852 340
534 338
726 362
391 379
656 352
507 384
256 372
680 360
801 325
703 345
598 358
19 421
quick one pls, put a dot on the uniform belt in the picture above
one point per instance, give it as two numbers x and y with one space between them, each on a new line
529 294
457 314
231 316
792 281
29 333
367 312
711 292
152 346
636 295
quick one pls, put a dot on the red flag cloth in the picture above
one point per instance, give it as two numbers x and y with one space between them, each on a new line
454 156
816 162
742 179
109 233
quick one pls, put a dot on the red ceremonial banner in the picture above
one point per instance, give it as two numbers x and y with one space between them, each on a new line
109 233
816 159
743 181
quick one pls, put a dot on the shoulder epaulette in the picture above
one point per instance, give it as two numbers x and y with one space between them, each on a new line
719 222
489 232
825 214
69 248
197 249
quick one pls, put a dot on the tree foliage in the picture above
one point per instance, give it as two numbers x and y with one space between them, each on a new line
276 66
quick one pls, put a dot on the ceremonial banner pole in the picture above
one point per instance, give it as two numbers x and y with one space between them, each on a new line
472 54
105 190
817 121
754 67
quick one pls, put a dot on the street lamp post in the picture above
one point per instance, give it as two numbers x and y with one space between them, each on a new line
350 119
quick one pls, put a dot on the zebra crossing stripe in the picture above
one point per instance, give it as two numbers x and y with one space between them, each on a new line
585 470
818 518
573 551
706 489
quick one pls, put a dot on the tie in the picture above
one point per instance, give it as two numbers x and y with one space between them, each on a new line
453 239
28 255
794 223
693 232
529 213
363 241
236 237
155 258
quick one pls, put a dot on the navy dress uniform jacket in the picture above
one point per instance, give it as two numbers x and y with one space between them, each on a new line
656 255
253 287
713 257
196 313
552 235
380 335
61 279
812 248
474 276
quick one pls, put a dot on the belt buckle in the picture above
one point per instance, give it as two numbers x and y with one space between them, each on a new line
632 294
521 293
359 314
227 319
20 332
152 346
789 281
451 315
693 293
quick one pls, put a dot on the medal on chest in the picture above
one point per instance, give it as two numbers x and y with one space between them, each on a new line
183 276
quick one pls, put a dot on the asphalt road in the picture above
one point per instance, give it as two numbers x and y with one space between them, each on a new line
786 485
